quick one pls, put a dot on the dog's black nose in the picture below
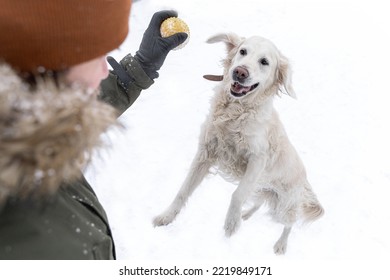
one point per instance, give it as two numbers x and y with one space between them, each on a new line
240 74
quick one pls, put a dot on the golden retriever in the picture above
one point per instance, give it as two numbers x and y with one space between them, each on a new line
244 139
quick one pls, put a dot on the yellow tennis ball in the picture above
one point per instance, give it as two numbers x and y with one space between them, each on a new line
172 26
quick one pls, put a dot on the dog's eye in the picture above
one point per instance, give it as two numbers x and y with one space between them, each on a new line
264 61
243 52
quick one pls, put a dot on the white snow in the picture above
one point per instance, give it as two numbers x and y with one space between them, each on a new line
339 51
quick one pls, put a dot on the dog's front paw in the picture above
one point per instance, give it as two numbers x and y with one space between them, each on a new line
164 219
232 223
280 247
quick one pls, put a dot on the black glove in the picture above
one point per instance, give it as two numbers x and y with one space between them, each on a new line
154 49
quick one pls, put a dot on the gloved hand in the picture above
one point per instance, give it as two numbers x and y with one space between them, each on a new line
153 48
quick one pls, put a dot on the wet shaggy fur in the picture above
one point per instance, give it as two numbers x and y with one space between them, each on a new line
244 139
46 135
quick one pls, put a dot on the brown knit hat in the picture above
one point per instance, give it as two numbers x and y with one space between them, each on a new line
57 34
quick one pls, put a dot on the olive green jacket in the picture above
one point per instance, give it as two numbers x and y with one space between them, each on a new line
68 223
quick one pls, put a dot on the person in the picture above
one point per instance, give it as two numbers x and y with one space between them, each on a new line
56 98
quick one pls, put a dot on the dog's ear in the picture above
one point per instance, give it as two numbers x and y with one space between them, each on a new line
284 79
231 40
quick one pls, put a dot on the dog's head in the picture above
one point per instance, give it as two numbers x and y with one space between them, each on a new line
254 65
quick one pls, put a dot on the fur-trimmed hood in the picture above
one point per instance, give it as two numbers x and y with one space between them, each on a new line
46 136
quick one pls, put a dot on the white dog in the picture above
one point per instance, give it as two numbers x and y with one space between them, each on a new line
244 138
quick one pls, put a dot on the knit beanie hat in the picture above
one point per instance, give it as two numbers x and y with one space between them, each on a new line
57 34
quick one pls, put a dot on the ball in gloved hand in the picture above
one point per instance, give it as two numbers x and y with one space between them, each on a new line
172 26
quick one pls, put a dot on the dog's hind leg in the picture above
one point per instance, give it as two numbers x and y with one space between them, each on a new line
248 213
259 198
280 246
199 169
257 204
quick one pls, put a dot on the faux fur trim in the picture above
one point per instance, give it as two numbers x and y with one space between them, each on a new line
47 135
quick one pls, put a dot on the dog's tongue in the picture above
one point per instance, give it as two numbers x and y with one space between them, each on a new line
237 88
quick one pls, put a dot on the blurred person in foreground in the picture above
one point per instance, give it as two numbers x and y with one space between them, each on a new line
56 98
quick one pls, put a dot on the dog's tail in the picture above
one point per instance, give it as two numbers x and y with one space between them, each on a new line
312 209
312 212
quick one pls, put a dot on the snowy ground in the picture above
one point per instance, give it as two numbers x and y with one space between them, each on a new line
339 125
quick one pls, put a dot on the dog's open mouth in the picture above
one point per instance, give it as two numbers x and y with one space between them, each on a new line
239 90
